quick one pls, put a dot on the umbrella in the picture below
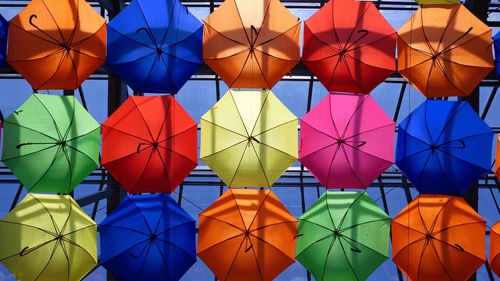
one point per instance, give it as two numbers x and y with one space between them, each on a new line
349 46
57 44
3 39
48 237
249 138
155 45
158 144
496 45
497 162
495 248
343 236
251 43
347 141
438 237
444 50
437 2
444 147
148 237
51 143
247 235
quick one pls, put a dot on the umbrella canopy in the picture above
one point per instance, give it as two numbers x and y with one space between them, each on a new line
444 50
4 25
158 144
51 143
495 248
249 138
349 46
438 237
155 45
251 43
247 235
57 45
48 237
148 237
346 141
343 236
444 147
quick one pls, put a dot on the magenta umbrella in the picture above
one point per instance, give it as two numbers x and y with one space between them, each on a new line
347 141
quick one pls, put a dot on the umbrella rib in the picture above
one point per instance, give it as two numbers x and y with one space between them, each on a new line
55 22
164 121
456 225
223 221
162 41
194 126
256 212
257 261
84 154
241 21
140 112
323 272
368 131
123 132
234 259
426 243
328 209
329 46
59 50
224 128
279 150
166 171
119 227
335 33
372 42
54 224
295 26
31 153
224 149
409 227
51 117
77 21
359 20
50 39
239 113
441 67
80 229
350 165
440 261
260 164
334 70
388 220
139 210
275 127
273 224
147 24
455 247
73 113
229 56
263 76
220 242
28 250
30 226
367 153
88 37
59 64
78 246
367 64
273 56
431 229
75 72
265 242
83 135
241 70
347 259
447 178
454 156
449 48
146 78
65 153
206 24
421 174
358 107
168 73
126 36
64 250
251 133
67 218
173 227
344 59
355 201
444 31
31 129
448 121
176 152
137 277
362 244
47 264
426 39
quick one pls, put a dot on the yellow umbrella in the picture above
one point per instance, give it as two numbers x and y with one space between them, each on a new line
249 138
48 237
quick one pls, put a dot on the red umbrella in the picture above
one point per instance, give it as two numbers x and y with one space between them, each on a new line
349 46
149 144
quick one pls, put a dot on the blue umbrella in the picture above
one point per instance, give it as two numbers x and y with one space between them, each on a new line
148 237
4 25
155 45
496 45
443 147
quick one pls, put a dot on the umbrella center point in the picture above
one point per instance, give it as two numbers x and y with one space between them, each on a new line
247 232
152 237
159 51
336 233
343 52
341 141
433 147
155 144
61 142
429 236
59 237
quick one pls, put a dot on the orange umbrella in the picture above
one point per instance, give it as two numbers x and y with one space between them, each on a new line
438 237
444 50
247 235
251 43
57 44
495 248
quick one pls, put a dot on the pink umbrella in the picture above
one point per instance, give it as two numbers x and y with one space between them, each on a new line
347 141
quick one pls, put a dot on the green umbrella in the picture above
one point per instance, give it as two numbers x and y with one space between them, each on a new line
51 143
343 236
